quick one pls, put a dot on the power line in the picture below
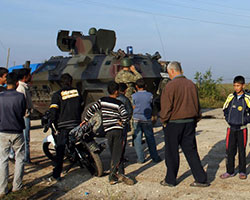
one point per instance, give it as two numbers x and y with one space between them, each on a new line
159 33
1 43
218 5
203 9
162 15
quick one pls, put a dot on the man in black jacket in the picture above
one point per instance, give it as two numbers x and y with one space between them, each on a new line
66 108
12 110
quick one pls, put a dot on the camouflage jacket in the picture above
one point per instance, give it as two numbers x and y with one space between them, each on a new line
129 78
162 85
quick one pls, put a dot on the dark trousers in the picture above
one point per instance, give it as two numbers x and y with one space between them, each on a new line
115 142
61 141
182 134
236 139
125 136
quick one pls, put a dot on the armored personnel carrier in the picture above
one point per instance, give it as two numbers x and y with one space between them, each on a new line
92 64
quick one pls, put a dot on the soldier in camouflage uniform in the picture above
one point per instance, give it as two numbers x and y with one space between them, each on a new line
156 102
128 75
165 79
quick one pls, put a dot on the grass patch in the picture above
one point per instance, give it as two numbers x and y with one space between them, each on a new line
23 194
217 101
210 103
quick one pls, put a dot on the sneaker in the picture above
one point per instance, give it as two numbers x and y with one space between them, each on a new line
242 176
28 162
31 163
157 160
12 157
226 175
125 179
19 189
197 184
164 183
113 180
52 179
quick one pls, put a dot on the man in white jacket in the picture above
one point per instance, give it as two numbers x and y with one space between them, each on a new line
24 78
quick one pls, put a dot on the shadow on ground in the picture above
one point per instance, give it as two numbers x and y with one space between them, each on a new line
130 151
212 161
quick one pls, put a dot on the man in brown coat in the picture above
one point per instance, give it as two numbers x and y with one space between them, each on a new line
180 111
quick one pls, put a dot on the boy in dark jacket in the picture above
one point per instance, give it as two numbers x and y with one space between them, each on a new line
236 112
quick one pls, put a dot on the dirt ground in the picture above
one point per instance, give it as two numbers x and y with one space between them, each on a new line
79 184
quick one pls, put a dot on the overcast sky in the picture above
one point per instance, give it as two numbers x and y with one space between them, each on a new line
201 34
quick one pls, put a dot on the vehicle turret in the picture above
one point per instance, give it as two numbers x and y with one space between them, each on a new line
100 41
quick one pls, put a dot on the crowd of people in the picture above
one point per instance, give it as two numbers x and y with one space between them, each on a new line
128 107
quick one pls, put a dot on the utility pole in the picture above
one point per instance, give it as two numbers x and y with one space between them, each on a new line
8 57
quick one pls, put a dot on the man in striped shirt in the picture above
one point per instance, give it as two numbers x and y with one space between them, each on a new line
115 117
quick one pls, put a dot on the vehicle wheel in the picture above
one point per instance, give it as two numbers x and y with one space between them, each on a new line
49 150
92 162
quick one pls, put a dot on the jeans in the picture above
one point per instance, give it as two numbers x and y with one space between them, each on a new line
145 127
16 141
26 134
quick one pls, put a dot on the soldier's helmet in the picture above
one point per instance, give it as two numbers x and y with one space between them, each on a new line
126 62
92 31
164 66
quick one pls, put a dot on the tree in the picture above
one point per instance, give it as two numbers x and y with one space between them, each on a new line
208 87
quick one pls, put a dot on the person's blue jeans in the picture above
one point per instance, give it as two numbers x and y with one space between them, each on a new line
145 127
26 134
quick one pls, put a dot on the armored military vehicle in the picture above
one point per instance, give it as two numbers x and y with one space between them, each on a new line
92 64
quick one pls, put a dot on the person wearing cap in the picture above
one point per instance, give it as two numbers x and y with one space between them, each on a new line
92 31
128 75
164 79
